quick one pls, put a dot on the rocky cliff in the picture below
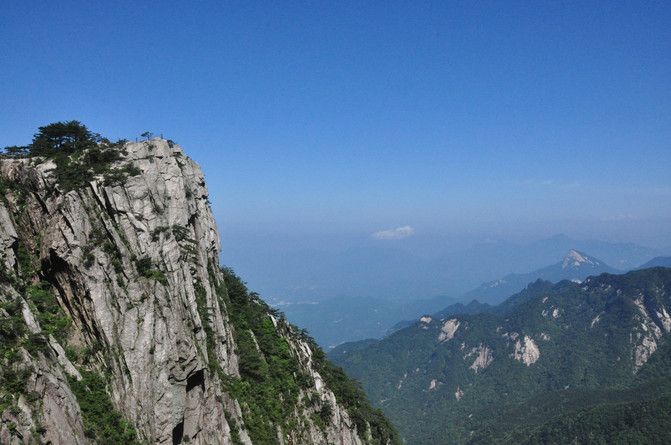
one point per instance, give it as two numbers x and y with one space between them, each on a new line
118 324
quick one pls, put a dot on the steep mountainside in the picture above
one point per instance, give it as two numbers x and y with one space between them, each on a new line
574 266
567 349
117 324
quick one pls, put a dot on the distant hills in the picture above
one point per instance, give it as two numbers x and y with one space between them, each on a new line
660 261
575 266
555 363
334 321
351 287
315 267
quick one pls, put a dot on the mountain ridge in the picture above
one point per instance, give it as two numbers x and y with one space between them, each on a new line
435 379
341 320
574 266
660 261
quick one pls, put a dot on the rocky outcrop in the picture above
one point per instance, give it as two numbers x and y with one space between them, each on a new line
646 335
448 329
483 358
134 268
526 351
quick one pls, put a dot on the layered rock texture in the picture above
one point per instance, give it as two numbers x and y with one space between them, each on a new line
118 324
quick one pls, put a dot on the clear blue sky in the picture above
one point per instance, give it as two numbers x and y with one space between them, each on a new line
369 115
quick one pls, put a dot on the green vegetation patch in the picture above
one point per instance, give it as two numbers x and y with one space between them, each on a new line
51 317
13 330
349 393
102 423
271 377
79 154
633 423
146 269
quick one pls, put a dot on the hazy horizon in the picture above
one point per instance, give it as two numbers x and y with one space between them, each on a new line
318 265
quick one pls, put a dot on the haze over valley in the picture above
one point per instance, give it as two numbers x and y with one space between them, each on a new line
363 292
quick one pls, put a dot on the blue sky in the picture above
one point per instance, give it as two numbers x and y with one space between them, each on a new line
368 116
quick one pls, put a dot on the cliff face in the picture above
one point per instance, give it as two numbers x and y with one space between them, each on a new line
114 290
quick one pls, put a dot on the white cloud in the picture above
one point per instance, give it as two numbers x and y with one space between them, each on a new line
397 233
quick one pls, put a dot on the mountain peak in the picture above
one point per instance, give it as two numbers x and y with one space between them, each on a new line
574 259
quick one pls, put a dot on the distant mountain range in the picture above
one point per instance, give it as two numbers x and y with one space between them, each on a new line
660 261
570 362
575 266
314 268
337 320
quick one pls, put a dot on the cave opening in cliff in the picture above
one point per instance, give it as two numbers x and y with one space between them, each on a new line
196 379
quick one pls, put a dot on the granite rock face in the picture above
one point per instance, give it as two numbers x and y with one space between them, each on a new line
135 267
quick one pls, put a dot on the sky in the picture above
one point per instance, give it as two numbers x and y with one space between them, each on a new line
387 120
